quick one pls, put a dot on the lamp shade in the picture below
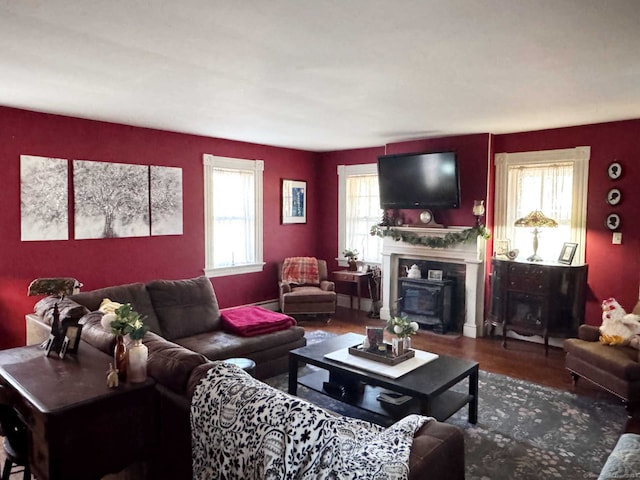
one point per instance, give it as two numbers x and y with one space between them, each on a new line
536 219
59 286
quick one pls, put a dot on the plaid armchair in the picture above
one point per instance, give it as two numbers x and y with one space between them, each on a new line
304 288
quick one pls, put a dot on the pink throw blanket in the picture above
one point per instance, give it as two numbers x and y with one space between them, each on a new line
252 321
301 270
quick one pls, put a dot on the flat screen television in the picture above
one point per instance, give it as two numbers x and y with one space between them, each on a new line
419 180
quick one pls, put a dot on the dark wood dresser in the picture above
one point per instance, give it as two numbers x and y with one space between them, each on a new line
531 298
78 428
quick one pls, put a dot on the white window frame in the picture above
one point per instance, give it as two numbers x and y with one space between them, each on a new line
256 167
579 157
345 171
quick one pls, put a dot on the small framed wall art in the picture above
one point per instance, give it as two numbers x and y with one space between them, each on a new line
614 171
294 201
614 196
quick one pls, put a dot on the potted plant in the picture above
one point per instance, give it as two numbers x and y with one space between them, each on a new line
352 258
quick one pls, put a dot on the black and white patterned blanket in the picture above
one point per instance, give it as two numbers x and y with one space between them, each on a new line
244 429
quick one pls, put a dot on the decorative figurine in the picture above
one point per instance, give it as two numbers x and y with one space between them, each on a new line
112 377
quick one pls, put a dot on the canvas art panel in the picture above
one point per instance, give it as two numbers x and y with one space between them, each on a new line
44 209
110 199
166 200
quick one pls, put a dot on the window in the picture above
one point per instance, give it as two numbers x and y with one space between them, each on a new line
552 181
233 215
358 210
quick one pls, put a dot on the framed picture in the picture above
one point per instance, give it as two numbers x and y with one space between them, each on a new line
72 337
567 253
614 171
363 267
434 275
502 247
375 335
294 201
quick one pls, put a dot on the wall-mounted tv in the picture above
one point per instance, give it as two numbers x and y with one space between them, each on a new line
419 180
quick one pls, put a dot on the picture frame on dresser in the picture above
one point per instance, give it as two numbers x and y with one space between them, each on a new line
434 275
567 253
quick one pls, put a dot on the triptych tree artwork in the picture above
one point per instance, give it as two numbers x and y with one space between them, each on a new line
109 199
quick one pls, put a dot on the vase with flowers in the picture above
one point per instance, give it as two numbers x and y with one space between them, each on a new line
130 362
403 328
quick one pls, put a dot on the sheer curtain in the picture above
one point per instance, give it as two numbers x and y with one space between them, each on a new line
363 211
548 188
233 217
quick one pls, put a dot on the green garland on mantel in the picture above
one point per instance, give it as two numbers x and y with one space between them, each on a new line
448 240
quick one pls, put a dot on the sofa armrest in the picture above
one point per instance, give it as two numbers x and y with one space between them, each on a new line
437 452
328 286
589 333
285 287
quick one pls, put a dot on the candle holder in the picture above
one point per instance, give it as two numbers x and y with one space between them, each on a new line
478 210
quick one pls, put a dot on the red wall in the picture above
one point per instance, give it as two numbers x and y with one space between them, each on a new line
472 153
102 262
614 270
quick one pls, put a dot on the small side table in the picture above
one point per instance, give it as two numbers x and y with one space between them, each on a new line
349 276
245 364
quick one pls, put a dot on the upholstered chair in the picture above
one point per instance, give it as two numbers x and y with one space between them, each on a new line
613 368
301 291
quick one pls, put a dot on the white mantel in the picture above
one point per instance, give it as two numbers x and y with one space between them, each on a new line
471 254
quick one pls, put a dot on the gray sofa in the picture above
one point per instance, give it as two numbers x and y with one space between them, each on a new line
184 312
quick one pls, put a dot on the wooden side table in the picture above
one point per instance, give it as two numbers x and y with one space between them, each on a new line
78 428
349 276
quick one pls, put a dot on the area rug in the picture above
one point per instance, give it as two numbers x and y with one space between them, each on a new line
524 431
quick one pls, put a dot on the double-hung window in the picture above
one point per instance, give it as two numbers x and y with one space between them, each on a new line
233 215
552 181
358 210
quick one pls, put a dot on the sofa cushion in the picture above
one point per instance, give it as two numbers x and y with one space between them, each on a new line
133 293
184 307
219 345
618 360
67 308
170 364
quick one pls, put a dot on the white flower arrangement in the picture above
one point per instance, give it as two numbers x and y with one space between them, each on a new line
402 326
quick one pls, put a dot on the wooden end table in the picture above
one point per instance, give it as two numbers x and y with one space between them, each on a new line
78 428
358 278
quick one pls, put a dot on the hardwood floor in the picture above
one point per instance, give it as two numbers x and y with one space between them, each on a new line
521 359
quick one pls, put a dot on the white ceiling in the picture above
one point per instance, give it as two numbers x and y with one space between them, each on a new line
324 74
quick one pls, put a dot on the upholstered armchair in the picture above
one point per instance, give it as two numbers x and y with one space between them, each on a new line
613 368
304 288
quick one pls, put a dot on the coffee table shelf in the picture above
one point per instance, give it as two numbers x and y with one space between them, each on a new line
443 407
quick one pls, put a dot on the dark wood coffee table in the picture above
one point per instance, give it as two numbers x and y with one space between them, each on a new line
429 385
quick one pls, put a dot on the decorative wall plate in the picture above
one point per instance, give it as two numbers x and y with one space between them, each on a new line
614 171
614 196
613 221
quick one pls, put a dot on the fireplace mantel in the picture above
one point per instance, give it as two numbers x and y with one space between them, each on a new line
471 254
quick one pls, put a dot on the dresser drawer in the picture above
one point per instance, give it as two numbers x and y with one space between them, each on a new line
527 278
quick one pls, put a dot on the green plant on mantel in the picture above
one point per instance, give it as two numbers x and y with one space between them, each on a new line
448 240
